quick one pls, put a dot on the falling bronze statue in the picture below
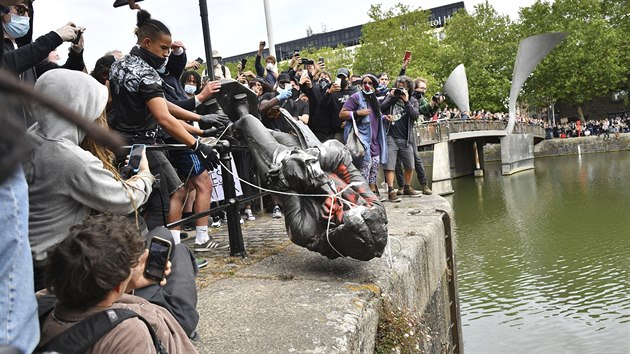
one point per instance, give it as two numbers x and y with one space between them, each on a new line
327 204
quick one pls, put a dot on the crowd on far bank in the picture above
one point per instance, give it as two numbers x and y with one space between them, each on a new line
599 127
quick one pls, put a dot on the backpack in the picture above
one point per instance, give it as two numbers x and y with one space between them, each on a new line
80 337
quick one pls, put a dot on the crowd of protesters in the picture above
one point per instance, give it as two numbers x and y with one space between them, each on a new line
61 190
58 192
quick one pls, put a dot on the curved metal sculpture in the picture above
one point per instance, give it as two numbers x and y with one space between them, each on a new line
531 51
456 86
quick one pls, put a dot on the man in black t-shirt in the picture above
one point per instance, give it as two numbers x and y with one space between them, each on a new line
402 112
139 103
328 125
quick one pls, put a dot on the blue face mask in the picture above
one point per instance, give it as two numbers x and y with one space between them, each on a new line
18 27
190 89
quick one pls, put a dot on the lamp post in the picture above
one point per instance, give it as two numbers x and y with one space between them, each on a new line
207 43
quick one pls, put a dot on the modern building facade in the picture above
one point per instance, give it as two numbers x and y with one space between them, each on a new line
346 37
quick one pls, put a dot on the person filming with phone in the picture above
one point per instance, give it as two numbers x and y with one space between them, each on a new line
96 268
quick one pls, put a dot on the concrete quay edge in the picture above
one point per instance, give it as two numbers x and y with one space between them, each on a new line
297 301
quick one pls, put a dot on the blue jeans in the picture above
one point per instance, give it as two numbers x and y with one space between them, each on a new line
19 324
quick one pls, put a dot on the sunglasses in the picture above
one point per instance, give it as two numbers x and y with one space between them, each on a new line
368 83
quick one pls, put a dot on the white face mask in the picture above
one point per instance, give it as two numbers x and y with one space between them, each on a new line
18 26
190 89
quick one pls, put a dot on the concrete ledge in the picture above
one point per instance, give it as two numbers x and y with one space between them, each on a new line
297 301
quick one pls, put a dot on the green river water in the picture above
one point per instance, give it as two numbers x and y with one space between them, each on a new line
544 256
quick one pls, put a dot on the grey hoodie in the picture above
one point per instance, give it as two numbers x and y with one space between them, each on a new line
65 181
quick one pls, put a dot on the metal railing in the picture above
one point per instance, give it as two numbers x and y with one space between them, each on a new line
433 132
230 204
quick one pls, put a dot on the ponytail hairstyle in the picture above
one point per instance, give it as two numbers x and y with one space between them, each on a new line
148 27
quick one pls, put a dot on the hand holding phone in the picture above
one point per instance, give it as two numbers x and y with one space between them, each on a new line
159 254
135 157
407 56
79 32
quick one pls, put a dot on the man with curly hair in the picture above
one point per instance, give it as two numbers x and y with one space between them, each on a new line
94 269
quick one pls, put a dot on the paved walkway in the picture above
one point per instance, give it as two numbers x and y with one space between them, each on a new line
263 237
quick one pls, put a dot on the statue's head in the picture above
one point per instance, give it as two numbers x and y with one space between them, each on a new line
362 236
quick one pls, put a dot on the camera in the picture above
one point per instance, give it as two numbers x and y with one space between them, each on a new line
398 92
307 61
437 96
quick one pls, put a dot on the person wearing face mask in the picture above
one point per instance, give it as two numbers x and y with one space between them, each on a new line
138 98
28 60
301 106
187 164
220 71
326 123
270 72
363 107
191 82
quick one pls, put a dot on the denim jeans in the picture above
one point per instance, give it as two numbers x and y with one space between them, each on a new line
19 324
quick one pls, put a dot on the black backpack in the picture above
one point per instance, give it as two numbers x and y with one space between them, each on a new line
80 337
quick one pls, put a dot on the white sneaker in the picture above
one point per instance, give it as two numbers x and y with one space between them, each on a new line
249 215
216 222
277 214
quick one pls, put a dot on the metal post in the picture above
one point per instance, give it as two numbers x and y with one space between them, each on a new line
237 246
272 44
203 12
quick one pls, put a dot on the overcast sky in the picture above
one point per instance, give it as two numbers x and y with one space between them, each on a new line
236 26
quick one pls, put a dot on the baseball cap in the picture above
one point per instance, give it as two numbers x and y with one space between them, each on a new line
343 71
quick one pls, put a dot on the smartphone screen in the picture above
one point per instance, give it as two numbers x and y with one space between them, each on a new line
159 253
338 81
135 155
407 56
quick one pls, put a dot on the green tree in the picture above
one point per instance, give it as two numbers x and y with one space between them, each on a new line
589 62
485 43
391 33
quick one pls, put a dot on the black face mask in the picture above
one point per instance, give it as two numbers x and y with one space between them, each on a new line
153 60
323 84
295 94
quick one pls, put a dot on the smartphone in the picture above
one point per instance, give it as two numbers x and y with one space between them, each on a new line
263 43
135 156
199 60
338 82
407 56
288 87
79 34
243 62
159 254
321 60
133 165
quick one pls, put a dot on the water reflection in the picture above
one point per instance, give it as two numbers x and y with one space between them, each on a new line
544 257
